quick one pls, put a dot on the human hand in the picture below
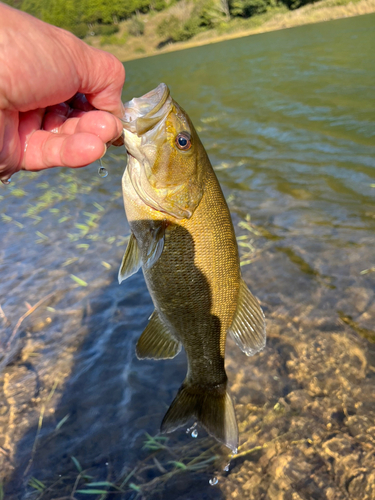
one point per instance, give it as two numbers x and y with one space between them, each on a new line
50 84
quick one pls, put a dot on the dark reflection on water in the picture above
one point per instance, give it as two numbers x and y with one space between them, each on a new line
288 121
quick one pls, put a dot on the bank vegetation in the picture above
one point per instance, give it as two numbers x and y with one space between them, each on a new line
137 28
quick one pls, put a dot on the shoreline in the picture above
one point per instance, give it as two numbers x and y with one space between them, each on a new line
322 11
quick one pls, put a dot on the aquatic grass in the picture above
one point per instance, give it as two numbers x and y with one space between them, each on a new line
85 246
169 463
122 240
63 219
137 480
154 443
70 261
3 317
73 237
94 237
36 484
62 422
39 427
42 237
30 310
79 281
367 271
19 193
7 218
362 332
77 464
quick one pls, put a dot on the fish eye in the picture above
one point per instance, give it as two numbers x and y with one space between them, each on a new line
183 141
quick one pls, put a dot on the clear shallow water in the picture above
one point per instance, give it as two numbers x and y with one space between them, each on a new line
288 120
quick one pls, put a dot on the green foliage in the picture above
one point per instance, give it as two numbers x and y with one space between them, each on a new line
106 29
205 15
136 27
63 14
71 14
79 30
168 26
208 13
249 8
102 16
295 4
113 40
158 5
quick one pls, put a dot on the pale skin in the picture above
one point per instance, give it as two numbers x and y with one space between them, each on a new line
60 99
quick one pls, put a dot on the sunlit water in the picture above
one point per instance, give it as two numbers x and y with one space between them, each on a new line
288 120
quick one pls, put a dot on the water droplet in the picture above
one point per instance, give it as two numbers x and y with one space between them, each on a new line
194 433
226 468
102 171
6 181
213 481
190 429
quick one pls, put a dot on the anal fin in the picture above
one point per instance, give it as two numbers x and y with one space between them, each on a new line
248 328
156 342
131 261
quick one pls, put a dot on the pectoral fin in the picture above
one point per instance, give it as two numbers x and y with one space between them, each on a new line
156 342
248 328
131 260
156 245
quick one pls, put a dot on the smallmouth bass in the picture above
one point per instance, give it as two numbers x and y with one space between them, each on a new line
183 238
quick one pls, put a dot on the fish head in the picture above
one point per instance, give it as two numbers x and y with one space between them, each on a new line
165 155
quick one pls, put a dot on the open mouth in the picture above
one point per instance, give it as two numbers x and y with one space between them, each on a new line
143 113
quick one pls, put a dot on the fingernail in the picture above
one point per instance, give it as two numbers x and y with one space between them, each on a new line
105 150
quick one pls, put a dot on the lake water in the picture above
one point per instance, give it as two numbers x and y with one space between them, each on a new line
288 120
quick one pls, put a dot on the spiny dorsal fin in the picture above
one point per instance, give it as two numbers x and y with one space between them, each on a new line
131 260
156 342
211 406
248 328
155 245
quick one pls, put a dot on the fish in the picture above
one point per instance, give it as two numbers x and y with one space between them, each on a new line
182 236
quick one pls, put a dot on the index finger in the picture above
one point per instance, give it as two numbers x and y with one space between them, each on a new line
102 78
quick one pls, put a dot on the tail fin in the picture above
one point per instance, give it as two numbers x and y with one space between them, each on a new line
212 407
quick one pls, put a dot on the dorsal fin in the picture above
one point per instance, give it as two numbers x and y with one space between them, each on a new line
131 260
156 342
248 328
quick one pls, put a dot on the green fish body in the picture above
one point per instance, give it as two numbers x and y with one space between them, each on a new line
183 238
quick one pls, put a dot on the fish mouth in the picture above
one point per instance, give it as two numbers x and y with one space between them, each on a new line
147 132
145 113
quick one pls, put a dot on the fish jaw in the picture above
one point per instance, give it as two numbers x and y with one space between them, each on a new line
144 113
166 179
